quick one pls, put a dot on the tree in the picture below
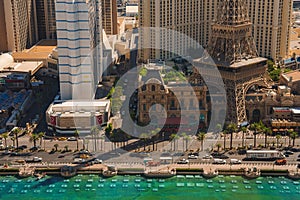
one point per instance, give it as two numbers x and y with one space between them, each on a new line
231 128
172 140
267 131
33 138
218 128
187 138
201 137
5 136
41 135
144 137
183 135
66 148
76 134
244 130
95 133
55 146
224 136
218 146
294 135
256 128
176 138
16 131
13 139
277 139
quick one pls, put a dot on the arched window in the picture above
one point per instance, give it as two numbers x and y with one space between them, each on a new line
143 87
153 88
202 118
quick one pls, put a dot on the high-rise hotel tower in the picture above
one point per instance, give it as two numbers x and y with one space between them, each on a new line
271 25
79 37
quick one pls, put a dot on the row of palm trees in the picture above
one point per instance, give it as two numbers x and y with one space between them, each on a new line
256 128
33 137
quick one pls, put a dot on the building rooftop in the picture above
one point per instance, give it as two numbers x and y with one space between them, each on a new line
296 110
248 62
40 51
281 109
23 67
293 75
82 106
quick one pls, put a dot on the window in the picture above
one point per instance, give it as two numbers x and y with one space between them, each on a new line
144 107
153 88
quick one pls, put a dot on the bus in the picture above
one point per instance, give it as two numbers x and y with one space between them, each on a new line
267 155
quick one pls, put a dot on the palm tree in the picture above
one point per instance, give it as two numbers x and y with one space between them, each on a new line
201 137
231 128
33 138
176 138
183 135
13 139
41 135
277 139
76 134
144 137
218 146
16 132
95 133
294 135
187 138
256 127
55 146
218 128
224 136
172 140
244 130
267 132
5 136
289 135
66 148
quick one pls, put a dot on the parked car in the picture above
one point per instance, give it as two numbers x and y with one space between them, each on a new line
207 157
183 161
219 161
35 159
235 161
72 139
193 156
280 162
78 160
62 139
97 161
219 155
289 153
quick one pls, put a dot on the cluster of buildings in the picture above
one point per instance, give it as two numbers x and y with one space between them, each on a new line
82 40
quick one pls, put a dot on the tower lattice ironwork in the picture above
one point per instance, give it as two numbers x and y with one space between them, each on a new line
232 47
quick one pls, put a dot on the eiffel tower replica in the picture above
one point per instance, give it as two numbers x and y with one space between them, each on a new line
232 49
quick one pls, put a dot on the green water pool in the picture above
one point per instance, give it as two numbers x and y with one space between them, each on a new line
136 187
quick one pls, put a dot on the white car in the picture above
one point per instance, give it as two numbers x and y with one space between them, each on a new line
207 156
78 160
219 161
97 161
235 161
183 161
37 159
72 139
192 156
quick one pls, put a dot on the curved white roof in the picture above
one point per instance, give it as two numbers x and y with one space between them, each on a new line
5 59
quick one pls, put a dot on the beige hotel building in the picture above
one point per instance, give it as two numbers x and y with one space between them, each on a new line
271 21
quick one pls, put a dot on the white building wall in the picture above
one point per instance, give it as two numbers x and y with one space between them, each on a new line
78 34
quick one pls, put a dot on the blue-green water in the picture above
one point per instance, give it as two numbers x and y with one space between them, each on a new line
136 187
